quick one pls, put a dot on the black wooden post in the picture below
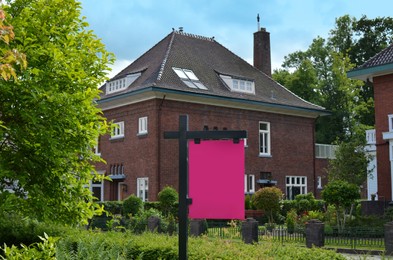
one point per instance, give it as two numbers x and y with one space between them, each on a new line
183 187
183 135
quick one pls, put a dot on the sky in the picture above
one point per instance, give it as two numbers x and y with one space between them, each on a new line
129 28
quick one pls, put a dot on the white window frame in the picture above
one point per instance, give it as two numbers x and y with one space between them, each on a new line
319 182
249 183
189 78
97 149
264 139
97 185
239 85
118 131
295 182
390 118
142 125
142 188
122 83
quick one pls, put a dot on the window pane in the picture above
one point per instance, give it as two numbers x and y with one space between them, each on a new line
180 73
190 74
262 126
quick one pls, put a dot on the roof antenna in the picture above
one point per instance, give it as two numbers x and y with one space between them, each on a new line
259 26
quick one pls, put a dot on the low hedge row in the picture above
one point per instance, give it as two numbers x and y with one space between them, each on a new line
114 245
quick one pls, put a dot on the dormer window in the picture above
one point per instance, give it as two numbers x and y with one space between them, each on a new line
241 85
189 78
121 84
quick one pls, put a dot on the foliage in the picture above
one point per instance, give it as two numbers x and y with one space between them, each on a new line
319 74
138 223
112 207
268 199
132 205
248 203
167 199
49 114
46 250
351 161
291 220
342 195
16 229
111 245
8 57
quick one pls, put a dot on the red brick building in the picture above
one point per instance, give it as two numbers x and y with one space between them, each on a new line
379 70
195 75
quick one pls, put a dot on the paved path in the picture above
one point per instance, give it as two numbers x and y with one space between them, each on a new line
365 257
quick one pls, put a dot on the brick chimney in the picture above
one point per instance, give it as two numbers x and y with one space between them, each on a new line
262 59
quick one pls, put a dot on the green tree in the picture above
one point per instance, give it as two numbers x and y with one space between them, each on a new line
167 198
350 43
342 195
351 161
50 117
268 199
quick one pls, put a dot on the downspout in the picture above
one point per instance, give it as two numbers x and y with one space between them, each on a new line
159 144
314 159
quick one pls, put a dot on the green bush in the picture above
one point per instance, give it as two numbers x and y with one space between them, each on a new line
112 245
132 205
16 230
45 250
167 199
268 199
113 207
138 223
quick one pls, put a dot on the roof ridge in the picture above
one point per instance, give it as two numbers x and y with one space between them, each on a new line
162 67
200 37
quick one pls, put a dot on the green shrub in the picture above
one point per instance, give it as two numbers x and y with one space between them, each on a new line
268 199
113 207
16 230
132 205
138 223
45 250
291 220
112 245
167 198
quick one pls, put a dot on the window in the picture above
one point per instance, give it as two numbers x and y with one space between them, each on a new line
97 147
249 183
97 188
264 138
189 78
295 185
142 188
390 123
239 85
142 125
245 142
118 130
319 182
121 84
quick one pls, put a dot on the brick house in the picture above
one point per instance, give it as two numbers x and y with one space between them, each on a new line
197 76
379 70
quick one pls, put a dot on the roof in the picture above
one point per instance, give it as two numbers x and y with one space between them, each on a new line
379 64
208 60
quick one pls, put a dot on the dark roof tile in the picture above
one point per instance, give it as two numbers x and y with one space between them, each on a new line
207 59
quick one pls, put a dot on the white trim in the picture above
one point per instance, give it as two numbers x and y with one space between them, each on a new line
142 125
142 187
295 181
237 104
390 118
121 84
238 84
264 142
118 131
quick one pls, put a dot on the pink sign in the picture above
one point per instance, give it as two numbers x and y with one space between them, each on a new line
216 179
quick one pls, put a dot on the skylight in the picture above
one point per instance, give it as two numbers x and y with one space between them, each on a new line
189 78
236 84
121 84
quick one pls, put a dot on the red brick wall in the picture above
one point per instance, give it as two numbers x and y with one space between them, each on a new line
383 97
292 143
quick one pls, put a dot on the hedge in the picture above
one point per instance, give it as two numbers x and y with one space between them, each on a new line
114 245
